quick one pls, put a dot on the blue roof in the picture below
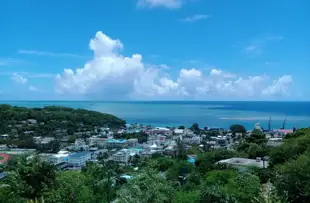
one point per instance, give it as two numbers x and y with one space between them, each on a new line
126 176
3 175
117 141
79 154
191 160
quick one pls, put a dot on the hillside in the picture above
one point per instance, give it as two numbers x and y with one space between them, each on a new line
53 120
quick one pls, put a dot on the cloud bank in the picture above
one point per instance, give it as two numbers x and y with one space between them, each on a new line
110 75
171 4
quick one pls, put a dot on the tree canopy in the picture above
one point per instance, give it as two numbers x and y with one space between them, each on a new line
236 128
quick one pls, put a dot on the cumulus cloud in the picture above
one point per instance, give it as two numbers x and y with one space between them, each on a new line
19 79
112 75
194 18
279 87
171 4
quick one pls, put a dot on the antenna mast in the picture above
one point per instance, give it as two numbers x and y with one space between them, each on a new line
269 124
284 123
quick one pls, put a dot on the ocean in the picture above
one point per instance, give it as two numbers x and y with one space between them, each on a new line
205 113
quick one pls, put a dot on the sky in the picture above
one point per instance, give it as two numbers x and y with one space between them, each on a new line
155 50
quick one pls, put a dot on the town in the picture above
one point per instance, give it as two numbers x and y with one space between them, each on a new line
60 154
105 142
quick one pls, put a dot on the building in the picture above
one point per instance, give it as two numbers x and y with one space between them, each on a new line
273 142
243 164
257 126
4 136
162 131
80 144
121 156
60 157
133 142
191 140
79 159
115 143
220 141
43 140
98 141
124 155
282 132
178 131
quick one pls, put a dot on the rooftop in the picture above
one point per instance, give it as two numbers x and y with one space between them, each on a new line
79 154
245 162
117 141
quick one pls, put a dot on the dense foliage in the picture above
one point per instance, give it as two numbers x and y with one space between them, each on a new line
22 124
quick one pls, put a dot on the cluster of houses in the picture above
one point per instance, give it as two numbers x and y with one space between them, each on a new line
160 140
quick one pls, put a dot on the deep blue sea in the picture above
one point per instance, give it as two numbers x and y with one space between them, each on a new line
205 113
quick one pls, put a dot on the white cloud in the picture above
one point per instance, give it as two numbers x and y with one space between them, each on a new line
33 89
8 62
171 4
279 87
194 18
219 73
50 54
111 75
258 45
19 79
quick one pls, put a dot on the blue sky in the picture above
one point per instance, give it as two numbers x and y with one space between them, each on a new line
155 50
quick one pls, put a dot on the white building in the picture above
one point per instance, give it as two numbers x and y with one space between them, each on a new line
162 131
133 142
80 144
178 131
257 126
221 141
98 141
79 159
274 141
123 155
243 164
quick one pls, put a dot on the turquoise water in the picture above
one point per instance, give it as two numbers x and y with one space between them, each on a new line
211 114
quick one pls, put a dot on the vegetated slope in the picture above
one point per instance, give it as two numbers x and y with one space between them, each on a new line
51 118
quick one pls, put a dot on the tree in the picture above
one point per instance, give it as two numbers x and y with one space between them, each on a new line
179 170
206 161
219 177
145 188
293 180
102 179
181 152
31 177
291 148
181 127
7 194
195 128
254 150
257 137
236 128
242 188
187 197
71 186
